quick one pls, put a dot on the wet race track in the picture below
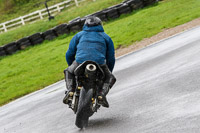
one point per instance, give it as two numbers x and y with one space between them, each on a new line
157 91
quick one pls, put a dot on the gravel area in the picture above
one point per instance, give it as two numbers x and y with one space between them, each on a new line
162 35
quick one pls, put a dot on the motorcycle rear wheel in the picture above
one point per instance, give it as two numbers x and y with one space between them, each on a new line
84 108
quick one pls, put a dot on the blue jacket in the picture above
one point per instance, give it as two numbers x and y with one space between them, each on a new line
92 44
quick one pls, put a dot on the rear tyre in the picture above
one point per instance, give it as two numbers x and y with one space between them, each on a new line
84 111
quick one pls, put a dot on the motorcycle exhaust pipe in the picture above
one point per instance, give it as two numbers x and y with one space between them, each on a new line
90 70
91 67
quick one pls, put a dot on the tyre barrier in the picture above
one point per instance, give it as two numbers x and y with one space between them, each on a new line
23 43
48 35
10 48
148 2
134 4
36 38
82 22
75 25
61 29
124 9
116 6
112 13
2 51
101 15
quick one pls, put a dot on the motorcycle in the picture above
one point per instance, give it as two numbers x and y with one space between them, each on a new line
89 80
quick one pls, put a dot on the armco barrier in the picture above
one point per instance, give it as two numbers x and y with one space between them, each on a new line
74 25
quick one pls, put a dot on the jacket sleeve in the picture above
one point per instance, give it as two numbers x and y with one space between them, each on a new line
71 52
110 54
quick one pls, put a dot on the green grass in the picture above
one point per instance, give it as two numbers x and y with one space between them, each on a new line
32 69
10 10
42 65
152 20
63 17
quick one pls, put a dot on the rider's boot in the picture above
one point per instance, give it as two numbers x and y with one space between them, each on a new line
70 84
68 96
105 89
108 83
102 97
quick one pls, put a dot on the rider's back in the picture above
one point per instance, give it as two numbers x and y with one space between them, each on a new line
92 44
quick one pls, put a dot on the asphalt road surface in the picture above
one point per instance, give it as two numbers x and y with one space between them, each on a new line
157 91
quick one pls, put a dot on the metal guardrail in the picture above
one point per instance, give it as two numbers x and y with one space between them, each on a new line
34 16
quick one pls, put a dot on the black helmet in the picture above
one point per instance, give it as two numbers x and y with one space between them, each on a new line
93 21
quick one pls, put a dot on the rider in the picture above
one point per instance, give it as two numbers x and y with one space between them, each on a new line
94 45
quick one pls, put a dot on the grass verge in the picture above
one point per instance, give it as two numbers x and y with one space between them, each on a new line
42 65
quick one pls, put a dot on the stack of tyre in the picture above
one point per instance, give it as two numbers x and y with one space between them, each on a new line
149 2
134 4
74 25
23 43
61 29
100 14
49 34
36 38
2 51
10 48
